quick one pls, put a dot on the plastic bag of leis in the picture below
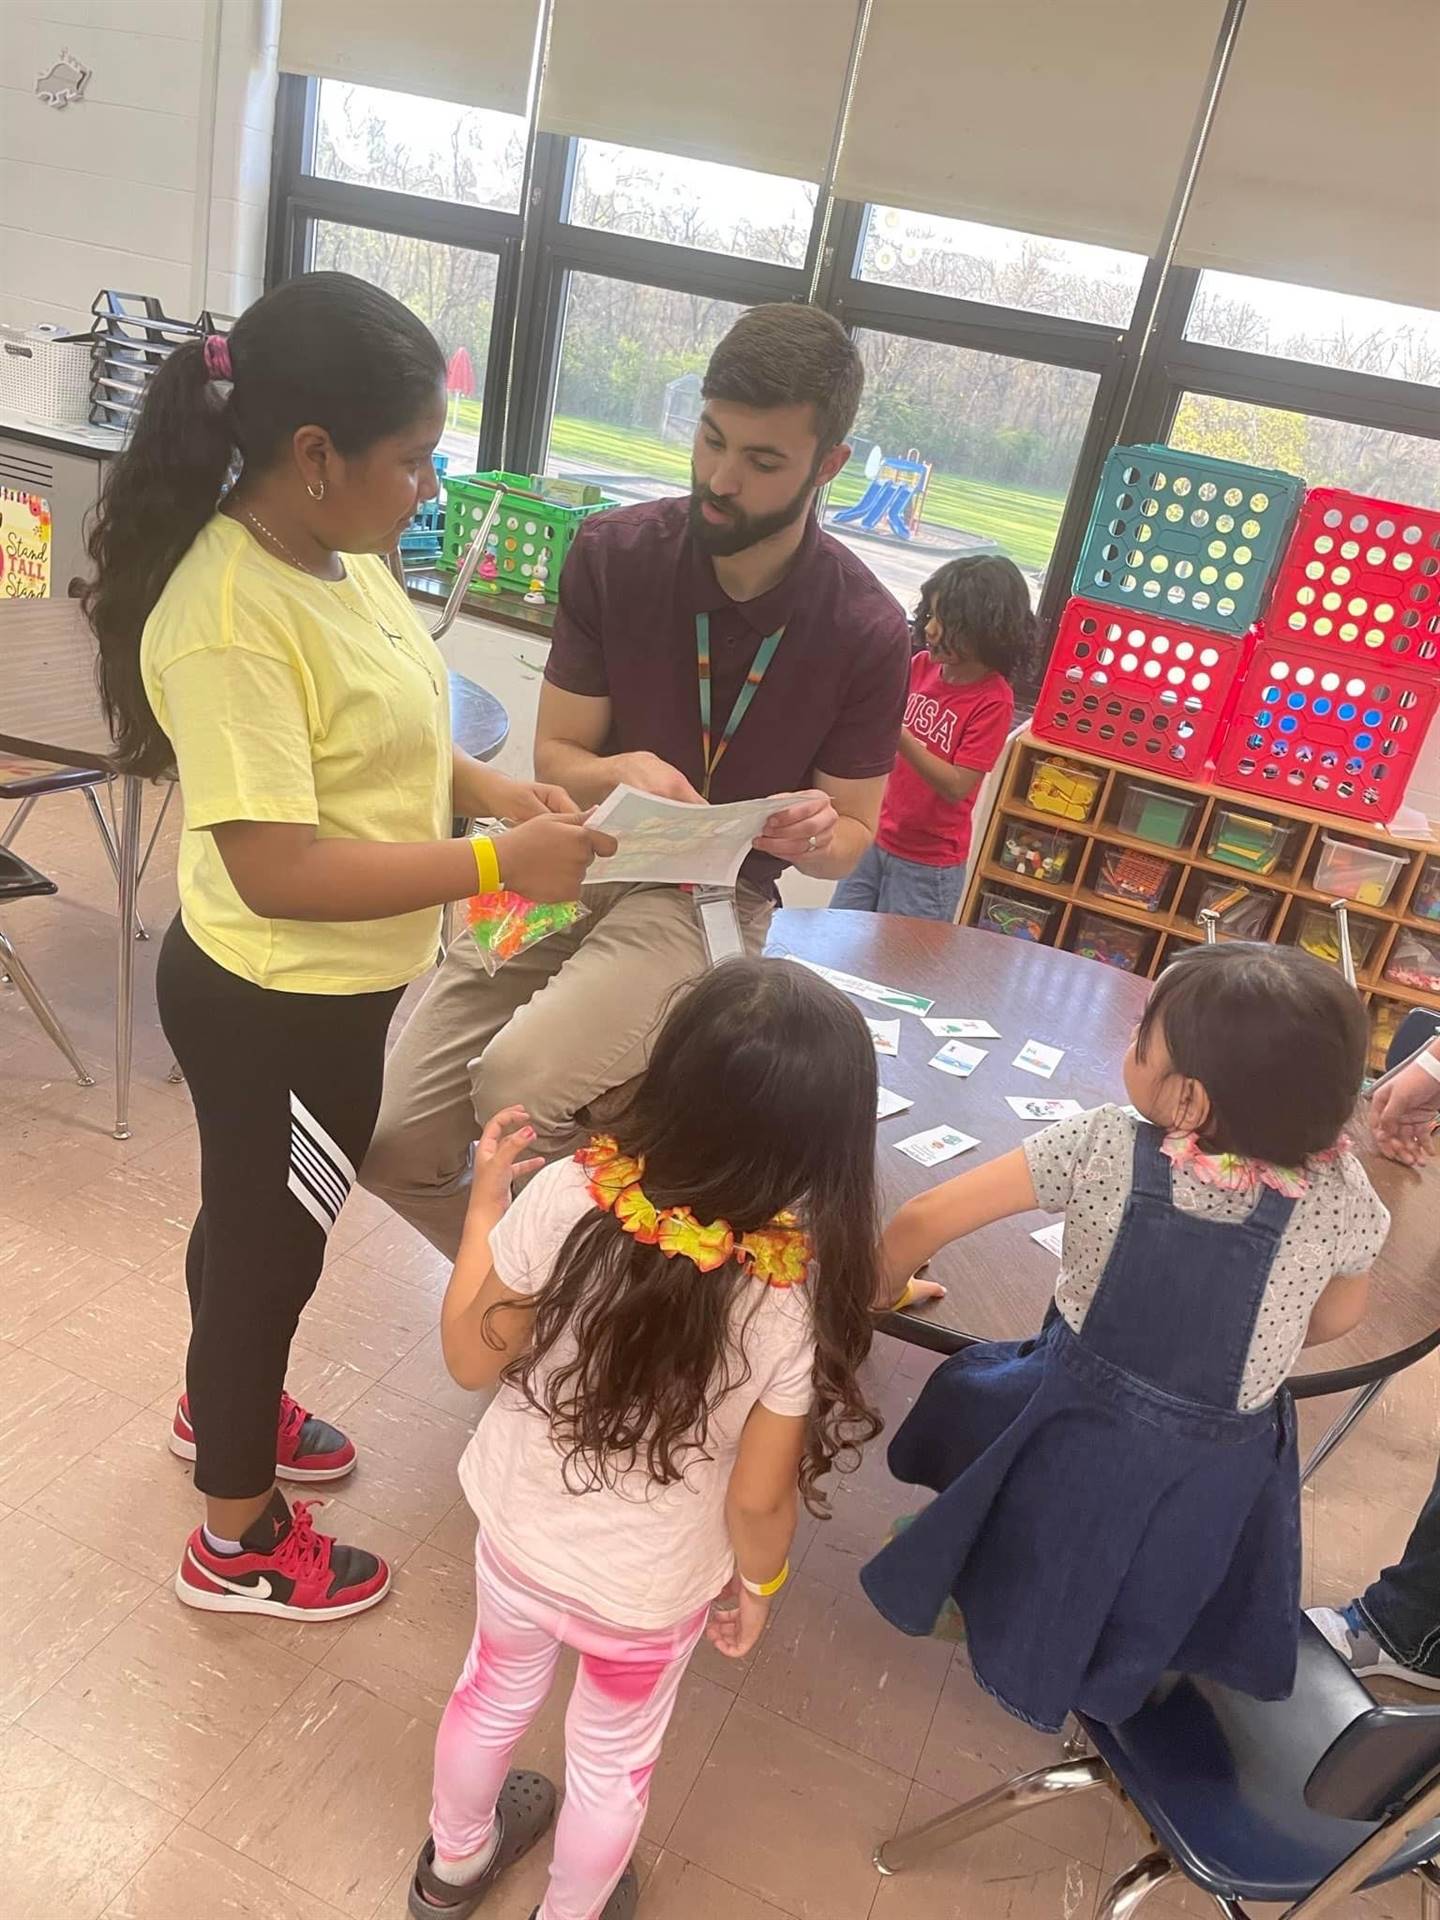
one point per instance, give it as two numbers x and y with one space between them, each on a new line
503 924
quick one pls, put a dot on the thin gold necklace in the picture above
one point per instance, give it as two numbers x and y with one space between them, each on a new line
275 541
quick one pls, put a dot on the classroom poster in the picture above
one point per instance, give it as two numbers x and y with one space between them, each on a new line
24 545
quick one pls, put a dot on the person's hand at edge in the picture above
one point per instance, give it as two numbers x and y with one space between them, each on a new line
548 857
802 830
497 1160
1403 1114
648 773
737 1619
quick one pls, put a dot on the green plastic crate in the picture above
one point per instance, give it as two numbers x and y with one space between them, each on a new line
532 535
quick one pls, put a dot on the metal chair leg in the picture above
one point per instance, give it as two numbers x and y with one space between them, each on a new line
1135 1886
17 819
991 1809
112 852
1076 1743
42 1009
1354 1411
129 875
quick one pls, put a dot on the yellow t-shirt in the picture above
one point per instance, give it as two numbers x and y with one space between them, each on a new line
301 700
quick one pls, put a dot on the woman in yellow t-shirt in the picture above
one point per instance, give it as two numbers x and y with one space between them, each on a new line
251 639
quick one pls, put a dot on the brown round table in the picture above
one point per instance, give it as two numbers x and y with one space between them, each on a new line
1000 1282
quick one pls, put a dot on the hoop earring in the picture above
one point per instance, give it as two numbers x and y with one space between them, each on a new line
316 493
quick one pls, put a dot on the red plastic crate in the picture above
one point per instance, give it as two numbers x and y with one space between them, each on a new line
1362 577
1315 730
1137 687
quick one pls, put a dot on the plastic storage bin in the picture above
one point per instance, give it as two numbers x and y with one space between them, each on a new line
1136 879
1425 901
1242 913
1016 918
1037 853
1354 580
533 532
1155 813
1185 535
1247 841
1113 945
1138 688
1415 961
1067 791
1317 731
45 374
1319 934
1365 874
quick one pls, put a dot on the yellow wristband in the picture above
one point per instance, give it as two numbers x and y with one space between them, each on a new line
487 863
763 1590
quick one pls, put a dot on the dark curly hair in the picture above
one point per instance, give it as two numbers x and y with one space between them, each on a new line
760 1095
983 604
323 350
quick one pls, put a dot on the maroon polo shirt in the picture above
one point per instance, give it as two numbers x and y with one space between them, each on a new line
831 701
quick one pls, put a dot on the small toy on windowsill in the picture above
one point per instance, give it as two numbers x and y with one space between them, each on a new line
487 578
536 596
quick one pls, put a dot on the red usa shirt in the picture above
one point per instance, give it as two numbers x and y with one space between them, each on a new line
966 726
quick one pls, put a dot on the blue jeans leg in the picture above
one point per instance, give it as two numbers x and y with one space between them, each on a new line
859 892
1403 1605
884 883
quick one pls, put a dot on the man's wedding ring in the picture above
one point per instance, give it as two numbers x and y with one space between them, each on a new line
811 844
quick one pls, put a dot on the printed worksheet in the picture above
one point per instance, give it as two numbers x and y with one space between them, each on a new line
670 843
893 997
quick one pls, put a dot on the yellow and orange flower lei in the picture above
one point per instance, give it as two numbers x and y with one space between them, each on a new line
778 1253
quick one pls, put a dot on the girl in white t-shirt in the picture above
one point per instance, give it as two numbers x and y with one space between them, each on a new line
676 1317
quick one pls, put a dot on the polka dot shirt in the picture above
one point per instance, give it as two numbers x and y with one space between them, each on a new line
1081 1168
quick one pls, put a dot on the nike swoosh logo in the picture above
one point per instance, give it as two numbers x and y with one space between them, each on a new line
259 1589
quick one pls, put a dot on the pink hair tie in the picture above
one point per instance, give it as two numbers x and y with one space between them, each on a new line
217 357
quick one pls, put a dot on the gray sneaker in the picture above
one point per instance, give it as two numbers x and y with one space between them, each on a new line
1362 1652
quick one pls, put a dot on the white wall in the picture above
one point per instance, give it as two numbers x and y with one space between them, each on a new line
156 181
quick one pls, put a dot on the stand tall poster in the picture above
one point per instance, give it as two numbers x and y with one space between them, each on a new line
25 530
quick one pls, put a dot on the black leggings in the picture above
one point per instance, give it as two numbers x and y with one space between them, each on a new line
286 1088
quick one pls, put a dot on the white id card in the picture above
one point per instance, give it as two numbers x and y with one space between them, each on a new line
719 924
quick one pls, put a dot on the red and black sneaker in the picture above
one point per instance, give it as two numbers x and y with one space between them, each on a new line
287 1570
305 1448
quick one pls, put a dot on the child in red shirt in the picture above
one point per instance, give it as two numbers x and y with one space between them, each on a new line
973 629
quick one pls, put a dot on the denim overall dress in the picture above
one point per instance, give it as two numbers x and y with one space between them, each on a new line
1104 1513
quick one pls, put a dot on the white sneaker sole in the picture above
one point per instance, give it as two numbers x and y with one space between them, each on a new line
1388 1669
196 1597
185 1450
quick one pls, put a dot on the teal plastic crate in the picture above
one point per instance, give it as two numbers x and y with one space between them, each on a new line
1182 534
539 518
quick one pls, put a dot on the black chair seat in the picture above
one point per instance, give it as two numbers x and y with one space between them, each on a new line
19 880
1221 1778
27 786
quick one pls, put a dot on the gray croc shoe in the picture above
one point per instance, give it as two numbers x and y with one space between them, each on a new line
623 1901
523 1814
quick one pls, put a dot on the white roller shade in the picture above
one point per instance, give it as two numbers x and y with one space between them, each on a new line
1324 163
752 83
1062 117
476 52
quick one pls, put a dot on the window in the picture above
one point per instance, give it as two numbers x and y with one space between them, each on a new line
999 267
469 156
452 289
957 451
1325 329
691 203
1325 453
627 397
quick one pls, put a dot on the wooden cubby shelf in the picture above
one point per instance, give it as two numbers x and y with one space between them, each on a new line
1149 935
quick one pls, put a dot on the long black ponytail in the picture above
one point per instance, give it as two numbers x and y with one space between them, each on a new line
323 350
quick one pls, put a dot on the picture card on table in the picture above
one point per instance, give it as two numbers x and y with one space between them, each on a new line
939 1143
889 1103
1042 1110
886 1035
1052 1238
895 998
953 1029
1034 1057
958 1058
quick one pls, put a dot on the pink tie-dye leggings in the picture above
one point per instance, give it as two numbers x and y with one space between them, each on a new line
619 1709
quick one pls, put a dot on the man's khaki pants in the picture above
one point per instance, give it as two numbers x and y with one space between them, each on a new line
558 1027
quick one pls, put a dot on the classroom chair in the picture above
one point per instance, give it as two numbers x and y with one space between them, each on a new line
20 881
1302 1800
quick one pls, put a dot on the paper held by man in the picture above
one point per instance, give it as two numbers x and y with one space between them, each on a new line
675 843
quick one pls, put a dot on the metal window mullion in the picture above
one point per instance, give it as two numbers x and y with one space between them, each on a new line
480 229
970 323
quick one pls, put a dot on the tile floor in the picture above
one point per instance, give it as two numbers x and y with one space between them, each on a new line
158 1764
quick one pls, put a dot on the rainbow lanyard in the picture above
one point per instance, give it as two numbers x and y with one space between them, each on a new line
758 667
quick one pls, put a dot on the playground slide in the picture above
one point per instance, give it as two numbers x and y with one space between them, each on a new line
882 500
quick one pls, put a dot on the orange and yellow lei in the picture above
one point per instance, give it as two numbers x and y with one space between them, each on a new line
778 1253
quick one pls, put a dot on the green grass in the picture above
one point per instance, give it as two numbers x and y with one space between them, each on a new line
1020 520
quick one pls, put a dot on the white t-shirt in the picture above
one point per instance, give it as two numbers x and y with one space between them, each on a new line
632 1552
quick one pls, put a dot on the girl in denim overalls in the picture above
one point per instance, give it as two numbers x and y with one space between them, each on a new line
1120 1497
